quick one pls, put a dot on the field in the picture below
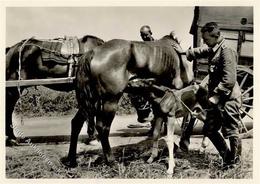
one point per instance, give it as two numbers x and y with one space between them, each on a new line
41 160
131 154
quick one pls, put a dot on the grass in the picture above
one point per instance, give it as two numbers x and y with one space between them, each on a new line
42 101
23 162
130 163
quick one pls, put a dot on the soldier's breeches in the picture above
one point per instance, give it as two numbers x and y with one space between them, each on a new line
227 119
231 119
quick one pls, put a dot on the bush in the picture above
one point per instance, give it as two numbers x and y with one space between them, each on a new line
42 101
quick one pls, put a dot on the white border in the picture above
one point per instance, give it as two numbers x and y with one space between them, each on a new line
62 3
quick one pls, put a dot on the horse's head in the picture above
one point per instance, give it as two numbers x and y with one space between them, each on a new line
89 42
202 97
186 67
201 94
195 97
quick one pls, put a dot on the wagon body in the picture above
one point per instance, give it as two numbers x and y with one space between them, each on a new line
236 24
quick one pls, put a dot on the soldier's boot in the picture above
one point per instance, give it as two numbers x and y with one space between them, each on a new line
221 145
235 152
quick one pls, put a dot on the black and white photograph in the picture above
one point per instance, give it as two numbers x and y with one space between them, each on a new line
129 92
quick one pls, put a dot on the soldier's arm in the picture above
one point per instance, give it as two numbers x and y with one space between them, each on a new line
197 53
229 59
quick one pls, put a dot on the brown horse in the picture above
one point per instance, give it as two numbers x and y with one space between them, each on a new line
41 59
105 75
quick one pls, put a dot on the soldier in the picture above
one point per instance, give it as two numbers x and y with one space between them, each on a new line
142 106
224 94
146 33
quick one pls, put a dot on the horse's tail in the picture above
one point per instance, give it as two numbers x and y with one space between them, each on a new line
84 87
11 60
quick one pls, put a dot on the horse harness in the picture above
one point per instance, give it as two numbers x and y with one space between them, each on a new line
168 97
64 51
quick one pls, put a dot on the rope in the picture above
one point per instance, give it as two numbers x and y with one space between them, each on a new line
190 111
51 51
164 88
19 76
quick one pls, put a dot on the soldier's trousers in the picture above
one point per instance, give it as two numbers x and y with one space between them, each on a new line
226 118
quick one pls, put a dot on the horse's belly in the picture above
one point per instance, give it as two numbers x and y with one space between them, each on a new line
110 80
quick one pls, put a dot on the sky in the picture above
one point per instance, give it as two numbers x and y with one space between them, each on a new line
113 22
104 22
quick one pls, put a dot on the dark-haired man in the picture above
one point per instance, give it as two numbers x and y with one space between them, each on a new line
224 94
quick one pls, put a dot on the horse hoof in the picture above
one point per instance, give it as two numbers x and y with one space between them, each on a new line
169 173
111 163
68 163
150 160
12 142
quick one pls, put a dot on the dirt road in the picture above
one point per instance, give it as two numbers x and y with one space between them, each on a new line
131 149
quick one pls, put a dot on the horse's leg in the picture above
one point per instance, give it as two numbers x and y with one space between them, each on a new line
187 128
177 81
170 143
156 135
204 144
92 134
105 116
76 125
12 96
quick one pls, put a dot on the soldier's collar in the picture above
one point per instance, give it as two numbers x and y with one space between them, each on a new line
217 46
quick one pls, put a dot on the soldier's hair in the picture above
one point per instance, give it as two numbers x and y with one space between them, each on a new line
212 28
146 27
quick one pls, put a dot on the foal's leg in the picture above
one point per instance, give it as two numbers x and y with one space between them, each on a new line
105 116
170 143
156 135
76 125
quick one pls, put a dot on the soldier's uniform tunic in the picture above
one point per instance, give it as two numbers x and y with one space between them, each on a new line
222 82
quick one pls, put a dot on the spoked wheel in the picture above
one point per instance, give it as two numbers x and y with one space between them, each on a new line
245 80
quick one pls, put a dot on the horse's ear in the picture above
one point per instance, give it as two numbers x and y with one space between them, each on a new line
7 49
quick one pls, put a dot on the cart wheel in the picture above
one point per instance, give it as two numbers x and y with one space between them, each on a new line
245 80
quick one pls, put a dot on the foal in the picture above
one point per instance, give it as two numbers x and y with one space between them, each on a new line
168 105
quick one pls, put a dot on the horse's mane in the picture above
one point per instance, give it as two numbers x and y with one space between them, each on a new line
170 39
166 37
99 40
